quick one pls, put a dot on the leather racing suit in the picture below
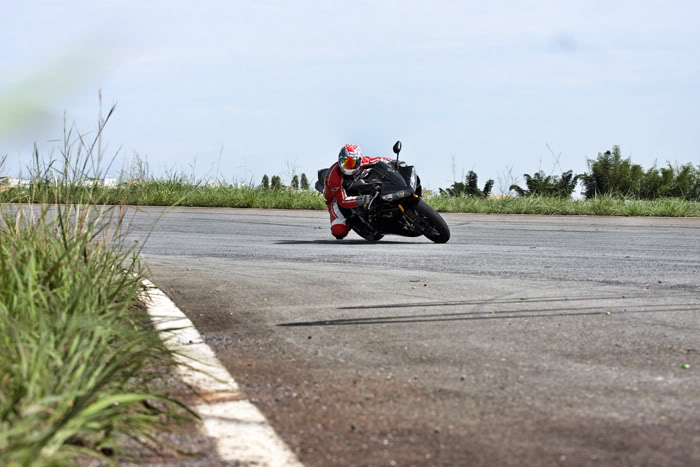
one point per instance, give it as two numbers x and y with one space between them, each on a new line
337 199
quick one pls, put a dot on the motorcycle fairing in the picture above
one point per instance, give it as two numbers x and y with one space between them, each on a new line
395 185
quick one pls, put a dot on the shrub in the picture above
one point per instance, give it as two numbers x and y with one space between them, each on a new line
610 174
304 182
548 185
670 182
469 187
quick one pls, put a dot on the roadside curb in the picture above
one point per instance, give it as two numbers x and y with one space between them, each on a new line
240 431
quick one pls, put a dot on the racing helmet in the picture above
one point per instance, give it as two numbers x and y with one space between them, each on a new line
350 159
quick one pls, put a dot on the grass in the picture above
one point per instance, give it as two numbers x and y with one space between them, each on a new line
140 187
166 192
600 206
79 357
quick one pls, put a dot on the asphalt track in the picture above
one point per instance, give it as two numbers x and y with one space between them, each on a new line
525 340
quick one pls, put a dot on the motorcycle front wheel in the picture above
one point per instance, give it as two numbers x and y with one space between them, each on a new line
432 224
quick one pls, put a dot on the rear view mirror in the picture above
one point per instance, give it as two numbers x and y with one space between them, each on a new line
397 147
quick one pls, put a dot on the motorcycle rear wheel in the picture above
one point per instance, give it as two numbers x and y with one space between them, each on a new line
434 226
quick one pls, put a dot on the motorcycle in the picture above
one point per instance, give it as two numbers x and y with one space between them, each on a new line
396 206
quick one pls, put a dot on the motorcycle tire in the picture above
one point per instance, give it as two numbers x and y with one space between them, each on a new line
434 226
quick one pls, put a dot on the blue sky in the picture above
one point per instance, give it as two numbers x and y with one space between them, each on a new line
273 86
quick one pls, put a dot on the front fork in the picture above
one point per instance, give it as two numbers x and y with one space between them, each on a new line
372 216
411 223
414 199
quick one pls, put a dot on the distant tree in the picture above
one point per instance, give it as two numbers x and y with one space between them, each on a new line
683 179
566 184
553 186
693 193
670 182
276 182
469 187
304 182
655 183
265 182
538 184
610 174
295 182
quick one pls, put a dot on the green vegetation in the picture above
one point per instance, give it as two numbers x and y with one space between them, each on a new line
599 206
612 186
80 361
548 186
609 188
469 187
276 183
304 182
610 174
168 193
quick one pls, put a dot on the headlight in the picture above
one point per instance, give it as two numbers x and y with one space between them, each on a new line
397 195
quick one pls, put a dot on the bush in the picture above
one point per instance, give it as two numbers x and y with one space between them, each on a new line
670 182
548 185
610 174
469 187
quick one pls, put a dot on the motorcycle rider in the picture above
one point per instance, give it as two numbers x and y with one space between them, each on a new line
351 161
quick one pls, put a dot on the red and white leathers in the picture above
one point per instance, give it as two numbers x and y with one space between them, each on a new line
336 197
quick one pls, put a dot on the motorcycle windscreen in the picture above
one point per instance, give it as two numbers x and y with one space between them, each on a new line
394 185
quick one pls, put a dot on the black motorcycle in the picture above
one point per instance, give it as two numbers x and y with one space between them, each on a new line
396 206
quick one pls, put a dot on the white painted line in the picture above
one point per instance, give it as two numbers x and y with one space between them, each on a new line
240 431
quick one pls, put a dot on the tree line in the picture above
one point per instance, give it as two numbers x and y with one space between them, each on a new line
275 183
609 174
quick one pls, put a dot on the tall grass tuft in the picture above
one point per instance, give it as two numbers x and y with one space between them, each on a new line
79 360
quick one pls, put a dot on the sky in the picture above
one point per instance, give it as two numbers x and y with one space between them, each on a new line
238 89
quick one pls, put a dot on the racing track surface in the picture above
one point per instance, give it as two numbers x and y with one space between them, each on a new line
525 340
